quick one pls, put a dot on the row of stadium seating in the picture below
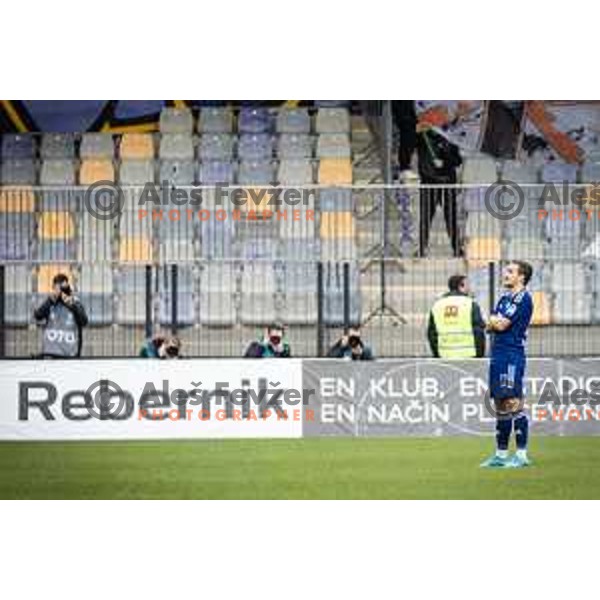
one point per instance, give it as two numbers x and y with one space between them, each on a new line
287 171
215 294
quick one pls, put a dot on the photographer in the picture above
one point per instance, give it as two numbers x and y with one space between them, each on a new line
273 344
161 347
351 346
64 317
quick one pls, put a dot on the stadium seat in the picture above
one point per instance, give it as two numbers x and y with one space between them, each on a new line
17 199
18 295
178 172
294 146
16 235
254 120
541 309
523 248
481 223
255 146
217 237
479 170
176 146
483 249
295 172
217 290
332 120
337 225
135 249
131 295
293 120
519 172
299 293
336 200
256 173
46 274
563 249
216 146
258 249
176 120
177 240
556 172
214 172
58 145
214 119
290 248
572 308
257 305
133 224
96 170
333 145
136 172
335 171
18 172
95 289
333 294
289 228
56 236
18 146
186 296
57 172
570 276
97 146
590 172
95 239
137 146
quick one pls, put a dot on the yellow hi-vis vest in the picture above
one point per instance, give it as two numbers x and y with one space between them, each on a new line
452 315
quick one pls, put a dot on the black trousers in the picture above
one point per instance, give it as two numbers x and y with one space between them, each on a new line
429 200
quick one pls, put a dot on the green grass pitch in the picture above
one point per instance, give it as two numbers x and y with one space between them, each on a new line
296 469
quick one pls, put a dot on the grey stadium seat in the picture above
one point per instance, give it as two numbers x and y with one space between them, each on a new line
16 235
255 146
255 173
336 200
176 146
294 146
177 239
333 145
97 145
18 298
295 172
215 119
217 290
216 146
95 239
557 172
176 120
258 293
58 145
57 172
217 237
136 172
299 293
178 172
333 120
18 172
293 120
95 289
333 294
572 308
131 295
570 276
186 295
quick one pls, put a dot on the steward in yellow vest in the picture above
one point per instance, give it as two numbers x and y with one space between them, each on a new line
456 327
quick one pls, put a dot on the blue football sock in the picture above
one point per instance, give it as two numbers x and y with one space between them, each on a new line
503 430
521 430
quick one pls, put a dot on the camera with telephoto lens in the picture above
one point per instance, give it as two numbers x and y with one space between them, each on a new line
354 341
65 288
172 351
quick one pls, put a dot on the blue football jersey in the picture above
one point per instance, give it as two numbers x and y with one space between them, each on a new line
518 308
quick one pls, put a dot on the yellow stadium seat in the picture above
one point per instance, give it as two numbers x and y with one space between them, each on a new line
46 274
56 226
96 170
257 199
17 199
137 145
337 225
483 250
335 171
541 309
135 249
